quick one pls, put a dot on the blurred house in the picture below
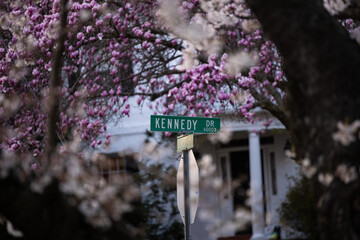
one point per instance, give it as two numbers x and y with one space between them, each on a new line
251 169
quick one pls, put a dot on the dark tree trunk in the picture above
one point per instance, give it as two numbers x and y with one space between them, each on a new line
322 64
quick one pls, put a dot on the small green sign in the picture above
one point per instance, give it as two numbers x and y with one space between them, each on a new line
184 124
185 142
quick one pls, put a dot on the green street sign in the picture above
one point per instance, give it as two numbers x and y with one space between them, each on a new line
185 142
184 124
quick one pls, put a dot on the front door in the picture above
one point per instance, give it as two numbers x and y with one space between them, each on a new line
235 172
240 175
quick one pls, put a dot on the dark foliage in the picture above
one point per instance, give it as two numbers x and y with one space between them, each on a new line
298 211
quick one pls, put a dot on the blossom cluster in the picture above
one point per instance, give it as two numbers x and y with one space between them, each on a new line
233 80
194 65
111 51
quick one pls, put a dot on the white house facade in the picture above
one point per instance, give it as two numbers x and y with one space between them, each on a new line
251 169
254 171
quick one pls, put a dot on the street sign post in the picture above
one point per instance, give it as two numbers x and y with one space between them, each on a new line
193 187
188 172
184 124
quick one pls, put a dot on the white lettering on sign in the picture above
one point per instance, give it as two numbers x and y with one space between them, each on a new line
210 130
209 123
179 124
157 123
194 123
184 124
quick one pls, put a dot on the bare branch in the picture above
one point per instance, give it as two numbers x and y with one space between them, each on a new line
264 103
55 84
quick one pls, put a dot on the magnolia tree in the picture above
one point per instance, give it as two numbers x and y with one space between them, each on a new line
67 67
70 66
191 62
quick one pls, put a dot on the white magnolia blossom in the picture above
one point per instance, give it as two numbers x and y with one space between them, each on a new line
17 24
224 12
155 152
12 231
217 13
217 227
90 207
346 174
6 163
217 184
336 6
199 32
239 62
290 153
325 179
207 166
41 183
355 34
99 200
250 25
346 132
203 32
306 163
206 214
242 217
307 169
85 15
189 58
240 97
132 191
224 135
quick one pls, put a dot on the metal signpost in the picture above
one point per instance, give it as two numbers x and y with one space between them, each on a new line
188 172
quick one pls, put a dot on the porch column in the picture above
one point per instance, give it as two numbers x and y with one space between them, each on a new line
257 201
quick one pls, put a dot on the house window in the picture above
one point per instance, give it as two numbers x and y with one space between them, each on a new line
111 167
224 174
273 173
112 164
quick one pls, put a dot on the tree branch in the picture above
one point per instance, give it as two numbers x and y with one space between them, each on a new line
264 103
54 87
